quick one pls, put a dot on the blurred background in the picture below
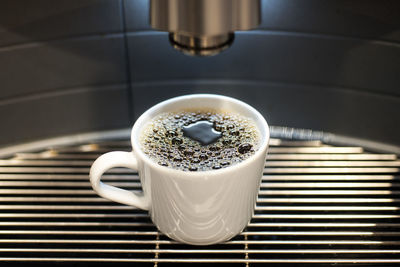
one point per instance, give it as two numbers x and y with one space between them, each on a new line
69 67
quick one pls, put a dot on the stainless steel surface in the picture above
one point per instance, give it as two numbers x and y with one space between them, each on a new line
203 27
317 204
201 46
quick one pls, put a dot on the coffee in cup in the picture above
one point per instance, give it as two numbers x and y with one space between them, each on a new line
199 140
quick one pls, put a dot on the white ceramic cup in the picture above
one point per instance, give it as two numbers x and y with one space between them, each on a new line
199 208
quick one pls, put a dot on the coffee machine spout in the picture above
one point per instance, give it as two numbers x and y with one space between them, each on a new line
203 27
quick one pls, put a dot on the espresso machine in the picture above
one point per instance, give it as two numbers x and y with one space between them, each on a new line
75 75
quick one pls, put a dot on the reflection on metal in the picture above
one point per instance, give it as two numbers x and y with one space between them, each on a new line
24 156
74 177
45 192
332 157
327 208
394 163
49 153
203 27
89 147
330 170
201 260
71 215
281 142
323 225
54 170
201 251
316 150
324 216
318 233
38 199
317 204
337 177
69 224
201 46
325 185
62 184
63 207
326 192
327 200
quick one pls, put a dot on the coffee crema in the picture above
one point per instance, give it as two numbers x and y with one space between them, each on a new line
199 140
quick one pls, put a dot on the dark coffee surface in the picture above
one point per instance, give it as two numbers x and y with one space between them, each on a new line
196 140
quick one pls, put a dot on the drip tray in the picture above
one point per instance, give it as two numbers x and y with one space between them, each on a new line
317 204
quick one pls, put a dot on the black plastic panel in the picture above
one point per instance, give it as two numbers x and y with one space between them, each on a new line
137 15
65 112
277 57
25 21
53 66
367 19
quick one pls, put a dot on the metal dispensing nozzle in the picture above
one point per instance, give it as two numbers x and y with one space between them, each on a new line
203 27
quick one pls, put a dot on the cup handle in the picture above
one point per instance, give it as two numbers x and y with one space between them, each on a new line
111 160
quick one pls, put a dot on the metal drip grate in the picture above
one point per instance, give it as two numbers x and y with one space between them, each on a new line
317 204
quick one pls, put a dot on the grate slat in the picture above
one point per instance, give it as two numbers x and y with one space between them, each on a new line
269 163
206 251
317 204
195 260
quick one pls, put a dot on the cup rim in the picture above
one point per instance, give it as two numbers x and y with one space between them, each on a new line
137 127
